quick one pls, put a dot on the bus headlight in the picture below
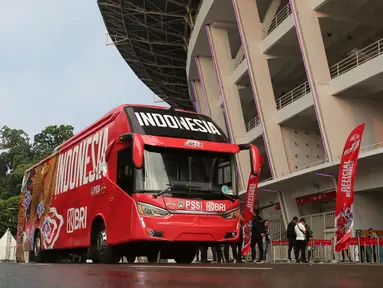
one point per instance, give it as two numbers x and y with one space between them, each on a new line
232 214
150 210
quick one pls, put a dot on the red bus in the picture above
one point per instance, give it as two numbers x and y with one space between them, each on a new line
140 181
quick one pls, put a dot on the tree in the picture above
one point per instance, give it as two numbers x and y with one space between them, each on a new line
8 215
20 154
17 154
51 137
16 141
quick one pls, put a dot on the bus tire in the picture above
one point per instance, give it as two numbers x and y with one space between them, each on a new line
37 248
94 254
185 256
103 253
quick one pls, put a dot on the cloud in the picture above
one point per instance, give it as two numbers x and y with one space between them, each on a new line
56 69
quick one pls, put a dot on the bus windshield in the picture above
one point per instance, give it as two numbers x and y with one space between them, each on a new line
191 171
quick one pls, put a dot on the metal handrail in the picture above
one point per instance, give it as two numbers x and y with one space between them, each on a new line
265 180
365 149
316 163
277 20
238 58
362 150
313 164
253 123
293 95
357 59
371 147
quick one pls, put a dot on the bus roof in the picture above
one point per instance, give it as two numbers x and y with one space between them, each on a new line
106 118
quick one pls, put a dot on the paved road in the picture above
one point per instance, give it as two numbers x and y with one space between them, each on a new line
195 275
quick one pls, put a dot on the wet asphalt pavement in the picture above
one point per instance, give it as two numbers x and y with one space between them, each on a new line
195 275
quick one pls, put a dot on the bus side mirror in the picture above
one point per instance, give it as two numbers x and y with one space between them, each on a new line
109 150
137 148
255 160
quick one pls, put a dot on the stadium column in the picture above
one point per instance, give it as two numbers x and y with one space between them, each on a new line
223 63
250 29
289 206
199 102
335 125
209 91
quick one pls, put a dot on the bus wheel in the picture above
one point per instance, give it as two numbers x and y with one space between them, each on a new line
185 256
104 253
37 248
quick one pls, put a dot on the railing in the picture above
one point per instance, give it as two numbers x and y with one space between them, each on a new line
365 149
238 58
277 20
265 180
316 163
321 221
356 59
293 95
252 123
360 250
371 147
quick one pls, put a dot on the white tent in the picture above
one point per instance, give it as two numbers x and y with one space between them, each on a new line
4 244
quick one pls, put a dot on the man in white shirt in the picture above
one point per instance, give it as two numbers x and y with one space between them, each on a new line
300 231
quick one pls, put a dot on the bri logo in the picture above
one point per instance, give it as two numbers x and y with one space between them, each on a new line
76 219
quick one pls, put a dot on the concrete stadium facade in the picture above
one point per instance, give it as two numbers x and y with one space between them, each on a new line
294 78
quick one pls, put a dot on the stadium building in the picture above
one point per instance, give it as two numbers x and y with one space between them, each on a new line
293 77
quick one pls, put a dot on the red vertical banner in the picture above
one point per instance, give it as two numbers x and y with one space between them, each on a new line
248 212
344 218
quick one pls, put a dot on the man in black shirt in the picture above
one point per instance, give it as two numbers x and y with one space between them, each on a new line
291 236
257 233
240 241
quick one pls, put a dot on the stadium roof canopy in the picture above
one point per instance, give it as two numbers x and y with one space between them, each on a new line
152 36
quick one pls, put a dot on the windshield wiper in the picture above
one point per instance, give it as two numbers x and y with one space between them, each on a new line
226 195
179 186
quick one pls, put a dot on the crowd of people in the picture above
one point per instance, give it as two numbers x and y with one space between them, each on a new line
298 233
260 237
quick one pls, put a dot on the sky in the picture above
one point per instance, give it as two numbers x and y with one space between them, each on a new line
56 69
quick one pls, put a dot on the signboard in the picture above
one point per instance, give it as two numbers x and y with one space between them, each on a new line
344 216
175 124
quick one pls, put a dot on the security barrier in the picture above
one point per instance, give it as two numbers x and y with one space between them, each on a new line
361 250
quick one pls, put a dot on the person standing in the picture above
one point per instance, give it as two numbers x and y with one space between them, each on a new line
197 254
240 241
291 236
372 235
226 251
204 249
257 233
217 254
300 231
309 236
266 240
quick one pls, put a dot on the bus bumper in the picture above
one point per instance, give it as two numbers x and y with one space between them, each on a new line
193 228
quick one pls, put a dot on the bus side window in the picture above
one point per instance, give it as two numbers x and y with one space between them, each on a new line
125 170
